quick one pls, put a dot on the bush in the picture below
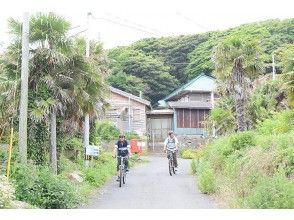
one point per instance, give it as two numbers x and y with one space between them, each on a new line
194 166
272 193
242 140
105 130
132 135
6 193
281 123
100 170
252 169
189 153
206 178
40 187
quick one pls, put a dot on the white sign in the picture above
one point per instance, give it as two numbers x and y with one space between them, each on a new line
92 150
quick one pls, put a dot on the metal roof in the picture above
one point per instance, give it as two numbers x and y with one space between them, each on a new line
191 104
190 87
160 112
129 95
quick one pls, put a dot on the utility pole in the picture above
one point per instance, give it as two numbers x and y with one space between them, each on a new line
87 117
274 67
23 107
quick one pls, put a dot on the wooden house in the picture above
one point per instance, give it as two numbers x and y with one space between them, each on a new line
127 111
184 110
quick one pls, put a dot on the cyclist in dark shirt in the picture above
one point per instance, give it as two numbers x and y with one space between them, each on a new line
122 148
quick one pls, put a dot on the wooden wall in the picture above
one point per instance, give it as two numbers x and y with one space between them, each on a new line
120 115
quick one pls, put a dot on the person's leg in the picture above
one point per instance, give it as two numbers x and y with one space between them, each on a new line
127 163
175 159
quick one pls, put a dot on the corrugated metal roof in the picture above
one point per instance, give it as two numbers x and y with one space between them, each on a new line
160 112
202 87
191 104
129 95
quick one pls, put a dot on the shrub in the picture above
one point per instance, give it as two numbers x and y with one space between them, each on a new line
206 178
281 123
272 192
100 170
132 135
40 187
6 193
189 153
105 130
194 166
242 140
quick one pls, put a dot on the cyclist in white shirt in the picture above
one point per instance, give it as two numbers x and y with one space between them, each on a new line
171 143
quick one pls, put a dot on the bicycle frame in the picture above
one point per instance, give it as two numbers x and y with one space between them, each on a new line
122 170
171 164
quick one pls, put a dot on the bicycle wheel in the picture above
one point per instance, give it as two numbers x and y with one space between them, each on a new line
124 177
120 176
170 167
174 170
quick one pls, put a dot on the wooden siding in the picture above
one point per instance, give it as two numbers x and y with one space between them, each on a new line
191 118
119 114
200 96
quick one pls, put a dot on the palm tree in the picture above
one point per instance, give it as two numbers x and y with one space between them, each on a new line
237 62
63 81
48 38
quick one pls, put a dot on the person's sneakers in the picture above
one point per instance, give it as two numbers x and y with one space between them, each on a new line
117 179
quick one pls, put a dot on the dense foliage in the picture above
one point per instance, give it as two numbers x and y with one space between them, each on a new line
252 169
175 60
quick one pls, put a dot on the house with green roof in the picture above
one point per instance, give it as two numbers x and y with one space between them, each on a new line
185 109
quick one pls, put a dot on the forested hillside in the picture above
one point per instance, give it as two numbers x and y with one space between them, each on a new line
157 66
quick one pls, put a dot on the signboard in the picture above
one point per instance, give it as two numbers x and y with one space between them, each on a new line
92 150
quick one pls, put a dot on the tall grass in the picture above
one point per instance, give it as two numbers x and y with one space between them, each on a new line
253 169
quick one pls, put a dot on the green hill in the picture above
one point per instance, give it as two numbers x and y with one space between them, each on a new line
157 66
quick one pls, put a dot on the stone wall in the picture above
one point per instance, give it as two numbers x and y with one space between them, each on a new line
191 141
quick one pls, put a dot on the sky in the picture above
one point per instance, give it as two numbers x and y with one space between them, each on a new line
121 22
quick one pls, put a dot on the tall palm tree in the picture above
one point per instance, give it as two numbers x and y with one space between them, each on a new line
48 38
237 62
64 81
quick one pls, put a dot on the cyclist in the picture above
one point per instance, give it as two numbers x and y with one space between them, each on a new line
171 143
122 148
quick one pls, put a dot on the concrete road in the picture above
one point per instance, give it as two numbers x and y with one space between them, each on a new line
149 186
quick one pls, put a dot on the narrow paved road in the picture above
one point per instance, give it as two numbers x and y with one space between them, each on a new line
150 186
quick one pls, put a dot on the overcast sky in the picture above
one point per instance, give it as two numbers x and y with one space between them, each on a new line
121 22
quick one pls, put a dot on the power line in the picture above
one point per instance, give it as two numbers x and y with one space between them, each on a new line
192 21
135 23
125 25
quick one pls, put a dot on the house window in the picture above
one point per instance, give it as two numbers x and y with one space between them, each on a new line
191 118
136 114
124 115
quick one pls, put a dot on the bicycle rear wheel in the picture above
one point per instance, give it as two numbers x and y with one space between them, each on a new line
174 170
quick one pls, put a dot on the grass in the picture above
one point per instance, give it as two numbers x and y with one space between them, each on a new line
253 169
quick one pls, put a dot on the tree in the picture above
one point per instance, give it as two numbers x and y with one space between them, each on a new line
288 70
151 71
63 83
237 62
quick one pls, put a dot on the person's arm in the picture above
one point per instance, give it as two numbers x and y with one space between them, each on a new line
164 145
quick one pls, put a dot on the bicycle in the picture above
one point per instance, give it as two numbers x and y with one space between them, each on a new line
171 165
122 170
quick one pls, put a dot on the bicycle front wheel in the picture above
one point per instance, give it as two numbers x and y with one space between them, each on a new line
120 176
170 167
124 177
